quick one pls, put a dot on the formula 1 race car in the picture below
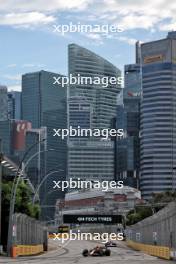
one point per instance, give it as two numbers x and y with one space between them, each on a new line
110 244
98 251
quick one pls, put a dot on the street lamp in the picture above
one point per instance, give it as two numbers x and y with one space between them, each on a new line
42 181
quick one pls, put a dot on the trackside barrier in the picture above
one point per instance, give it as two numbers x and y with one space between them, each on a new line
29 236
26 250
157 251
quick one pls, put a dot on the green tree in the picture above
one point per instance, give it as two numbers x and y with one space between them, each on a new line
23 204
164 197
158 201
23 200
138 214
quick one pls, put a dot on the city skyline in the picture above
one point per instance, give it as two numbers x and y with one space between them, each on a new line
86 62
87 131
32 45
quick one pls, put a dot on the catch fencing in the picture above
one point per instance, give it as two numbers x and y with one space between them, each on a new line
158 230
29 235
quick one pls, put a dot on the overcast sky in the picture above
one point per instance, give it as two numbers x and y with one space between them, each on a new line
28 42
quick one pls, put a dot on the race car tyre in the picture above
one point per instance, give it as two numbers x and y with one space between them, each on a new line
85 253
107 252
101 253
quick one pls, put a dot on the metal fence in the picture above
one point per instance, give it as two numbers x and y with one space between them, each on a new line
159 229
28 231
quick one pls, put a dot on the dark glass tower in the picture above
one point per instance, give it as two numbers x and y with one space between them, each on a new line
128 149
44 105
128 118
3 103
14 105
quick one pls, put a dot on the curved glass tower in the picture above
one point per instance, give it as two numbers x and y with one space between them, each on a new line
91 106
102 100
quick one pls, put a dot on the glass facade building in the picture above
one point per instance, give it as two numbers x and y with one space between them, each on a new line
80 112
91 160
127 148
128 118
6 137
132 80
102 100
14 105
91 106
3 103
158 116
44 105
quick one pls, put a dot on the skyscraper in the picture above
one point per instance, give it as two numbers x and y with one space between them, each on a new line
128 118
6 136
14 105
127 148
132 87
3 103
158 116
91 106
103 100
44 104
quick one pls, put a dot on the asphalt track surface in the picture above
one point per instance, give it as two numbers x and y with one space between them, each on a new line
72 253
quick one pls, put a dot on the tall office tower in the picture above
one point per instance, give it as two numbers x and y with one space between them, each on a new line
14 105
128 148
44 104
3 103
138 52
128 118
89 159
102 100
132 80
158 116
6 137
11 106
91 106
